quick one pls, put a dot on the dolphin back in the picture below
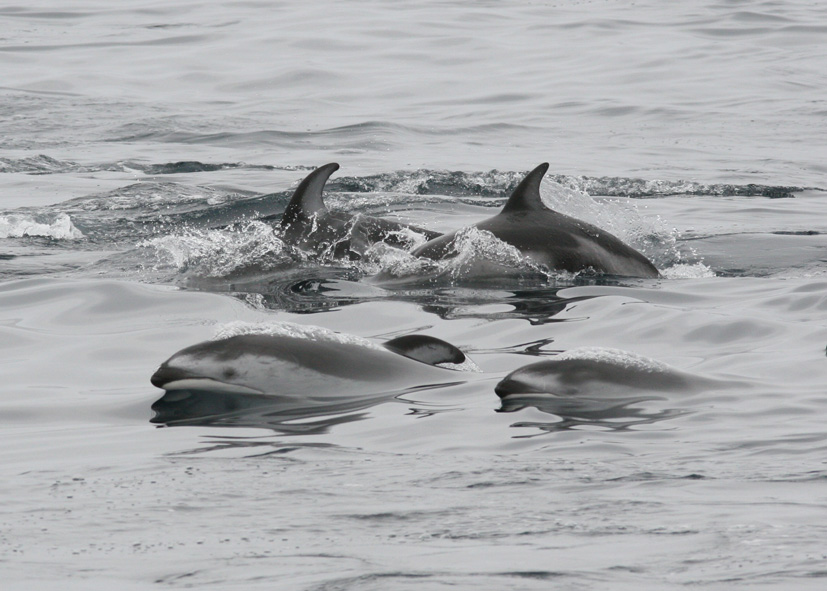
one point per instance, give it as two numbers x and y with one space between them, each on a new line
549 238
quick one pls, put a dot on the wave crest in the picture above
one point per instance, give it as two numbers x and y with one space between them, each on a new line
220 253
19 226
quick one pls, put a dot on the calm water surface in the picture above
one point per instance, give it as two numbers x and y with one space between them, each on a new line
145 149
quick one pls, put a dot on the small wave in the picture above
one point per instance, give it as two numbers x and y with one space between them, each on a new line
641 188
492 183
18 226
151 197
289 329
688 271
392 263
616 357
496 183
191 166
479 254
478 249
42 164
432 182
255 246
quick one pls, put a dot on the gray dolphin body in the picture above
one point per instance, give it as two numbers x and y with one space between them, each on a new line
269 381
604 388
292 367
558 241
309 225
595 376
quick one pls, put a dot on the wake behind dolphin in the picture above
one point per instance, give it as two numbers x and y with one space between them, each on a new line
549 238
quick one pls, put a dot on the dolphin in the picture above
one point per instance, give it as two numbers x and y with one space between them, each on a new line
603 387
306 370
595 371
309 225
549 238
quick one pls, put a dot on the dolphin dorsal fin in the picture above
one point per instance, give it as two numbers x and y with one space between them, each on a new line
526 196
426 349
307 199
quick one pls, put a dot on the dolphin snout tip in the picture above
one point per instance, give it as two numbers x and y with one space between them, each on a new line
158 379
165 374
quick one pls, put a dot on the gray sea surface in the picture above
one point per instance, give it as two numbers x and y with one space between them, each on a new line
147 150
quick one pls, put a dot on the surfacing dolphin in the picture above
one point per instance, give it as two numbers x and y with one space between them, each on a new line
293 376
596 371
557 241
309 225
602 387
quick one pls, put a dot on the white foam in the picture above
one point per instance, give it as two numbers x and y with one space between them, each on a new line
616 357
217 253
318 334
474 245
686 271
467 366
621 217
395 262
478 252
289 329
18 226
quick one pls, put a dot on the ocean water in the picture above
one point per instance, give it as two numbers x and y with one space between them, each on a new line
146 150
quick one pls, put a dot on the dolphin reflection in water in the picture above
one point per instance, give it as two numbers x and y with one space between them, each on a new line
266 380
601 387
306 382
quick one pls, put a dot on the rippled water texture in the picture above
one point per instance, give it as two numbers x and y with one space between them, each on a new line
673 434
712 91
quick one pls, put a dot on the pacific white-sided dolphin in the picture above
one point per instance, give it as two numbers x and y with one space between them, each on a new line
305 369
309 225
596 372
603 387
557 241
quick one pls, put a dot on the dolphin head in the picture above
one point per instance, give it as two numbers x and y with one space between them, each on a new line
212 366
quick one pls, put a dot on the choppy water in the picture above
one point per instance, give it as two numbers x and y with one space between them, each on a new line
147 148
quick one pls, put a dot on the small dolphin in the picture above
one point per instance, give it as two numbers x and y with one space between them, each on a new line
308 371
602 372
559 242
308 224
600 387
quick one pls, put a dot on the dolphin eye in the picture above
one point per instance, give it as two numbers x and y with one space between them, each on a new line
229 372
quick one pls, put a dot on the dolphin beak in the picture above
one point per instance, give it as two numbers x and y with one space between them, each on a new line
508 386
166 375
173 378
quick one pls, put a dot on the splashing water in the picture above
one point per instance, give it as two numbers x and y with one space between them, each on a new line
219 253
19 226
621 217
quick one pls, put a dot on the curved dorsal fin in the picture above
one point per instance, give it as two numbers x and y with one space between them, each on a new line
426 349
526 196
307 199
